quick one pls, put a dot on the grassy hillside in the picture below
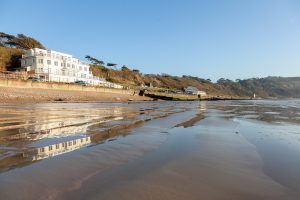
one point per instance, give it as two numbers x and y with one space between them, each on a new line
273 86
269 87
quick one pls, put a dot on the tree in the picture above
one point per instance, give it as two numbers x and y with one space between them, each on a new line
94 61
124 68
112 65
24 42
5 38
223 81
20 41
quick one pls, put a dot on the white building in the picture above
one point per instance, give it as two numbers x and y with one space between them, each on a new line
54 66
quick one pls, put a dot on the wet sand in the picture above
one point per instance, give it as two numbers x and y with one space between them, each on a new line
165 150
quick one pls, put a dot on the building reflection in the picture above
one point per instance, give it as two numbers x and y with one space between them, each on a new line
202 106
24 155
56 122
33 139
30 155
57 149
57 130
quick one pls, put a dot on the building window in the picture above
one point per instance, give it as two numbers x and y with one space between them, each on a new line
80 68
85 68
40 70
50 148
42 149
55 63
73 66
68 64
40 61
49 62
57 146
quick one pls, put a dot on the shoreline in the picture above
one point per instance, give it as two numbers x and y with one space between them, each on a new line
42 95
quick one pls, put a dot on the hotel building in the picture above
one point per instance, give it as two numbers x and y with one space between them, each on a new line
49 65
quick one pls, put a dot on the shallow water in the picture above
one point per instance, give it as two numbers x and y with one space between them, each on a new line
150 150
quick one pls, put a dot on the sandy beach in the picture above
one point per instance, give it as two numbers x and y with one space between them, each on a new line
36 95
151 150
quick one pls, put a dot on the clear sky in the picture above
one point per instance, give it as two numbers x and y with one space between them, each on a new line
210 39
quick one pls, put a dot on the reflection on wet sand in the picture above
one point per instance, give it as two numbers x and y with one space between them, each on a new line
57 149
167 150
191 122
263 110
47 131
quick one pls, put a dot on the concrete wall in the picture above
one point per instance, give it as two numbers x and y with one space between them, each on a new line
173 96
14 83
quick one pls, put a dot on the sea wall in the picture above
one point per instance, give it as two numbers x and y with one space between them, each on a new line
189 97
15 83
171 96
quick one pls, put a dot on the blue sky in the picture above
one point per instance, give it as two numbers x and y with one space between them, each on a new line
210 39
